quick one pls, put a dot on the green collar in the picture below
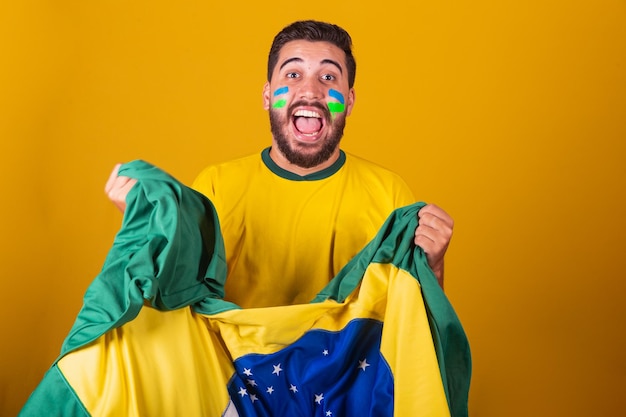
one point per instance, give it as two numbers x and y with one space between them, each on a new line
319 175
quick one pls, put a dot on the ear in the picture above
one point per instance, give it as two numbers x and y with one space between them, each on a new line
350 102
266 96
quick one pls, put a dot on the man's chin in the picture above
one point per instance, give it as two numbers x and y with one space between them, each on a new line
306 160
306 156
306 147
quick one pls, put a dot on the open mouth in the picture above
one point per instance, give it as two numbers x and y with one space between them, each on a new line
308 123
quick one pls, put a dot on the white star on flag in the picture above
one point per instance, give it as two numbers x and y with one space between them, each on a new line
277 369
363 364
253 398
269 390
243 391
325 352
319 398
252 383
247 372
293 388
329 413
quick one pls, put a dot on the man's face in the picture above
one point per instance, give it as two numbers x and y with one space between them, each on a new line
308 99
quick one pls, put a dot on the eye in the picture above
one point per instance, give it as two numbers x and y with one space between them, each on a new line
328 77
292 75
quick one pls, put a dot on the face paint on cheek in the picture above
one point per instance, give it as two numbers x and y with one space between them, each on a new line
336 107
280 103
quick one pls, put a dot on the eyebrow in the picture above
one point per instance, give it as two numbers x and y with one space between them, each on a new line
323 61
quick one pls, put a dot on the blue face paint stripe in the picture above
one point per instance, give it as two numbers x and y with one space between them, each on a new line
281 90
336 95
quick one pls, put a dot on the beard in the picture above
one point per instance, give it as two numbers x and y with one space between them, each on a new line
301 154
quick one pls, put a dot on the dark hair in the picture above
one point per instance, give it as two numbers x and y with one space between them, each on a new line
314 31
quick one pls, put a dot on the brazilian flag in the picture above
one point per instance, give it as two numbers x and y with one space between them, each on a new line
155 337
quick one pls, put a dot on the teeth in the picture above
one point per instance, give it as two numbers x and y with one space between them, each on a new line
307 113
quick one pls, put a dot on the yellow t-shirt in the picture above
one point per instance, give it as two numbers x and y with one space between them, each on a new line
287 236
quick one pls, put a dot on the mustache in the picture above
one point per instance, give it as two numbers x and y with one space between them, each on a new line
316 104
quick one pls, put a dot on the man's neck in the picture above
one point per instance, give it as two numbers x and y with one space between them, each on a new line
280 160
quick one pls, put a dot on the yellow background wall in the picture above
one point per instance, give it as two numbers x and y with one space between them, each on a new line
511 115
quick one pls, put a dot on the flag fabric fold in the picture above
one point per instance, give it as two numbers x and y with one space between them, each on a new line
155 337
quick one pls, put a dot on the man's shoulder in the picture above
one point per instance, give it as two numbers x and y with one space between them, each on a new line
365 165
236 169
378 179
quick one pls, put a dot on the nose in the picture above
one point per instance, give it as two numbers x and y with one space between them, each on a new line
311 89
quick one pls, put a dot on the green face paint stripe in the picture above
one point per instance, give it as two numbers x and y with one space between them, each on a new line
279 103
336 107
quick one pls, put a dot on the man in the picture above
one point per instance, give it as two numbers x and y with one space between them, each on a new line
295 214
291 218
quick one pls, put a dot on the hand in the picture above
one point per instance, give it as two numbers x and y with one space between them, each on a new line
117 188
433 235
